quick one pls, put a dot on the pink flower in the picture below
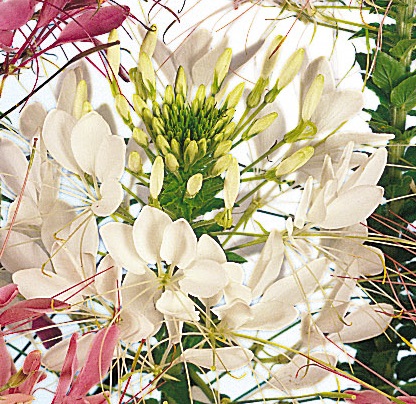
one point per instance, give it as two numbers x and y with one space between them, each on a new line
95 368
373 397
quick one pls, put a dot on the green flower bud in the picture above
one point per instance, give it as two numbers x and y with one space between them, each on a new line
260 125
162 145
147 116
81 95
294 162
271 56
169 97
171 162
158 126
221 70
148 74
123 108
202 148
180 82
221 165
254 98
156 177
139 105
305 130
140 137
135 163
200 94
312 98
149 41
191 153
229 129
113 53
291 68
271 95
175 147
194 185
234 96
223 148
224 218
231 184
86 108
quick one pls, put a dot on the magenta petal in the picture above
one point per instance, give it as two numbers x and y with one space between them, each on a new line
366 397
49 10
7 294
7 365
97 363
15 13
92 23
6 40
68 370
47 331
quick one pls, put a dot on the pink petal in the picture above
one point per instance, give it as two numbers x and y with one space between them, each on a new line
15 13
68 370
6 40
92 23
7 365
7 294
98 361
50 9
16 398
32 362
408 399
367 397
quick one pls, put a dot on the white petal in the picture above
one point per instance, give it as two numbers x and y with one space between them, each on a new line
108 279
375 317
67 92
13 166
31 119
234 315
204 279
177 305
268 266
295 288
208 248
57 137
337 107
265 318
86 138
352 206
32 283
112 195
178 244
22 252
118 239
134 326
110 158
302 372
305 200
229 358
148 230
54 357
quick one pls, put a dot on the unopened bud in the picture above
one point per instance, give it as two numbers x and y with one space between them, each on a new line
260 125
194 185
175 147
149 41
81 95
156 177
223 148
224 218
271 95
202 148
169 97
221 70
229 130
162 144
231 184
221 165
312 98
234 96
305 130
253 99
158 127
291 68
139 105
271 56
113 53
294 162
171 162
200 94
148 74
123 108
86 108
180 82
191 152
135 162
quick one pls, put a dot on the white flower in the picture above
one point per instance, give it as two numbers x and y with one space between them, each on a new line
165 265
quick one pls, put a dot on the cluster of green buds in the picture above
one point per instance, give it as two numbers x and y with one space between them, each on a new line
189 139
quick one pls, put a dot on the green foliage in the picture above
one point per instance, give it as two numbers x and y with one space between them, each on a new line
388 72
404 95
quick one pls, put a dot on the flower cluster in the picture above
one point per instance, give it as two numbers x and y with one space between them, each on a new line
158 242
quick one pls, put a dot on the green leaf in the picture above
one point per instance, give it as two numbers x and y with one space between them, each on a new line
403 47
233 257
388 72
405 368
382 127
404 95
412 112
